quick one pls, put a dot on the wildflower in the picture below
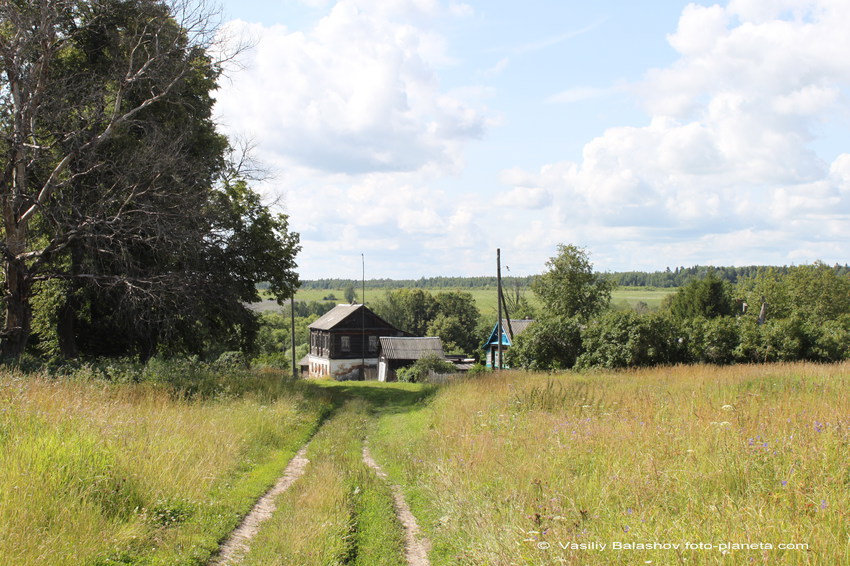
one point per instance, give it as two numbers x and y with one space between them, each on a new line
728 408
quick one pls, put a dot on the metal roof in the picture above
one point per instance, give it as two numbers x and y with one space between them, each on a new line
334 317
396 348
339 313
518 325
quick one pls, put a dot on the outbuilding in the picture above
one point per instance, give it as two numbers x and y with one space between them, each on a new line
511 328
399 352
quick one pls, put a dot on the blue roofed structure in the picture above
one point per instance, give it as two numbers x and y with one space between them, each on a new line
510 330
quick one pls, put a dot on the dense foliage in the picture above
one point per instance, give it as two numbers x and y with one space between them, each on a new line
451 315
125 228
776 314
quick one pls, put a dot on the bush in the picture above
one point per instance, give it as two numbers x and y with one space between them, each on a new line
778 340
829 341
627 339
231 360
708 298
549 344
420 370
711 341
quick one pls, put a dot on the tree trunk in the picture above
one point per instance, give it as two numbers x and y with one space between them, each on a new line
17 328
65 331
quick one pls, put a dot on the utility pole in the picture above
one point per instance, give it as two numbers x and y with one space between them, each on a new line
363 321
499 288
292 333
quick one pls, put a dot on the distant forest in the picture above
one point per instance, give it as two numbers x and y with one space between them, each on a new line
675 277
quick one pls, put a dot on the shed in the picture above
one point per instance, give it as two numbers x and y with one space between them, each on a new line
399 352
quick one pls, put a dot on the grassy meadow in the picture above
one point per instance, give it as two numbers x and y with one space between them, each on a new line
677 465
485 298
728 463
97 473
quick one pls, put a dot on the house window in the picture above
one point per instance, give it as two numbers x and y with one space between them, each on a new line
373 343
346 343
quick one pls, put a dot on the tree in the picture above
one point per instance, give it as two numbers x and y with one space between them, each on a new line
451 315
516 303
410 310
814 292
350 295
110 161
570 288
709 297
457 322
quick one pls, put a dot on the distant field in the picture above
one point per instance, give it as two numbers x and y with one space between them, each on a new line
485 298
652 296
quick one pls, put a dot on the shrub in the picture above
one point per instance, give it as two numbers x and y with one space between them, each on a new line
829 341
548 344
419 371
712 341
627 339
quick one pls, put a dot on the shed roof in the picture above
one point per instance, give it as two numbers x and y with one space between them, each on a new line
397 348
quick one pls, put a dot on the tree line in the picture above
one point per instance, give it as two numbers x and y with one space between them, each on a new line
421 283
775 314
668 278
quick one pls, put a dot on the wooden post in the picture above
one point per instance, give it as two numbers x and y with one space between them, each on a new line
363 321
292 342
499 288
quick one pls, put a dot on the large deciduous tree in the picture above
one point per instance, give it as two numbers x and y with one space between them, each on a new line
114 186
569 287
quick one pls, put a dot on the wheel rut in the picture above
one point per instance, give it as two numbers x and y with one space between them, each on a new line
238 543
416 545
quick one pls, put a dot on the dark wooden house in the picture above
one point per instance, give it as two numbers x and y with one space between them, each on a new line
344 343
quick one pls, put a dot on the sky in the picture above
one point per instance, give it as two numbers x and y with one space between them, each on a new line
425 134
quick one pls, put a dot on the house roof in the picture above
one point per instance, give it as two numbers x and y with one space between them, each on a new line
396 348
340 313
518 325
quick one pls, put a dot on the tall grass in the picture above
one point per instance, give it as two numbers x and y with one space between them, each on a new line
102 473
525 469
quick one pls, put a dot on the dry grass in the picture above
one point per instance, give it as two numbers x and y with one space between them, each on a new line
516 468
95 473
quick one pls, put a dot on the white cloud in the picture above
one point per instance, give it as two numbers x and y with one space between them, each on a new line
724 169
525 197
358 93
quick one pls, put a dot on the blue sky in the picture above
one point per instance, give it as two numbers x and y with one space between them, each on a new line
427 133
